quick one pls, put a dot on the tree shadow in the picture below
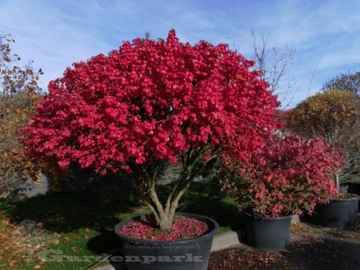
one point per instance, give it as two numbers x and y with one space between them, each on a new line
209 201
314 253
63 213
307 253
98 207
105 243
200 199
95 204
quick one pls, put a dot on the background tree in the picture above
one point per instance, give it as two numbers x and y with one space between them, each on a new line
18 97
151 106
334 115
274 63
345 82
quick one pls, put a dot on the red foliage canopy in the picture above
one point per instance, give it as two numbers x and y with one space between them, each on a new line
148 101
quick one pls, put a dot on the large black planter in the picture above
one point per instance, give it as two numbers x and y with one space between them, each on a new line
339 213
174 255
354 187
267 233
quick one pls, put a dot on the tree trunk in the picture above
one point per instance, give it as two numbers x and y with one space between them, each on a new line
166 224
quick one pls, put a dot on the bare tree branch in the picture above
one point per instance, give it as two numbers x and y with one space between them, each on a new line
274 63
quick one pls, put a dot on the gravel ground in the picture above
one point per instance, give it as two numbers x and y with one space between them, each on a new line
311 247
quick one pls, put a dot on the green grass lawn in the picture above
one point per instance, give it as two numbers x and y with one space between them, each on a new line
73 230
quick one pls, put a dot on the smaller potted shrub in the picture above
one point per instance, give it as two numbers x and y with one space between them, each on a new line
290 175
340 212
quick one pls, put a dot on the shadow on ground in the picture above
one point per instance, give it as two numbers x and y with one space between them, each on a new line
310 253
70 211
61 212
311 247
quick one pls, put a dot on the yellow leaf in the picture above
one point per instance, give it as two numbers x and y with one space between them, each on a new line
12 263
55 241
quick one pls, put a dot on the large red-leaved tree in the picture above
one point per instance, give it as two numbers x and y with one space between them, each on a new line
151 105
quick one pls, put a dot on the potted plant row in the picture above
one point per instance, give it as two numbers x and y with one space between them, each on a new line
151 106
289 175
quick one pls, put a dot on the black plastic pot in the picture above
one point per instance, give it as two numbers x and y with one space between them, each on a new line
174 255
354 187
267 233
339 213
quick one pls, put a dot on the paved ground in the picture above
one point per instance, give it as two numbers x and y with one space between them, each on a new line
311 247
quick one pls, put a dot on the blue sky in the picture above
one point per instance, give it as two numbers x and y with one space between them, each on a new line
325 33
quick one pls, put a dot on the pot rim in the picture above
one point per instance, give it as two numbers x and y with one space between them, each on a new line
355 197
262 217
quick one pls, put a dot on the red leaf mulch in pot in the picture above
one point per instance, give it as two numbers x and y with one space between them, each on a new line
183 228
